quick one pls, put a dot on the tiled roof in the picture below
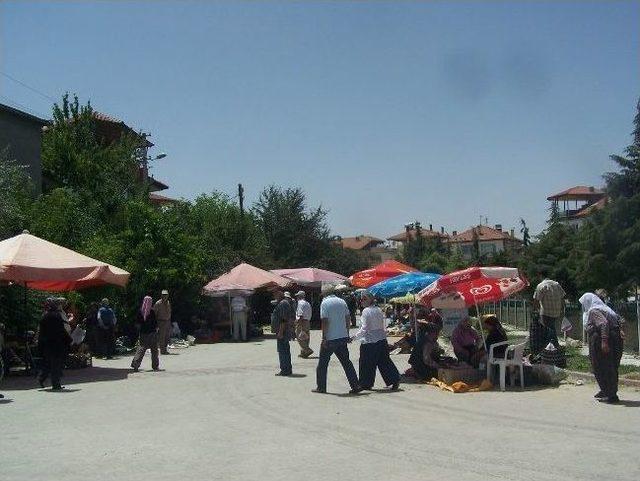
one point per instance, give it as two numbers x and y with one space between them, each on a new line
590 209
403 237
161 199
484 233
106 118
23 114
359 242
578 192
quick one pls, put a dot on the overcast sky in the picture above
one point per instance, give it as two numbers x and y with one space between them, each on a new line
383 112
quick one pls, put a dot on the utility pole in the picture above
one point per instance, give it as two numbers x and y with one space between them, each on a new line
241 199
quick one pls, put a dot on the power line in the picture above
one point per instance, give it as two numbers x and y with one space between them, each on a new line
48 97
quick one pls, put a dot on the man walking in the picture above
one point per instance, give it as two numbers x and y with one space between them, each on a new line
336 319
162 308
281 323
303 324
549 298
107 324
148 339
239 318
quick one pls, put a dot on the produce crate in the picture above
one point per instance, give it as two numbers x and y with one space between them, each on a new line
468 375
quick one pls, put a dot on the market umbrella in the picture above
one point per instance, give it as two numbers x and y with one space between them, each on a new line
379 273
410 282
473 286
242 280
244 276
408 299
310 276
39 264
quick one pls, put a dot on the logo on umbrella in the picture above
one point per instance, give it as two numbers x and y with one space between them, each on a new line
480 291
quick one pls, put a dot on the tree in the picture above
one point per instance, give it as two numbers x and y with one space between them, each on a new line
626 182
16 197
104 175
524 230
295 235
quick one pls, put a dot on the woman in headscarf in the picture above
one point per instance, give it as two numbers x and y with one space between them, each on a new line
464 340
374 350
148 325
495 334
604 330
53 342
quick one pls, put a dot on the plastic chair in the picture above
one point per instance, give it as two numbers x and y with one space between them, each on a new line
512 358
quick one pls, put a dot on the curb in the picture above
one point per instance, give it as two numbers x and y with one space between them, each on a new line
591 377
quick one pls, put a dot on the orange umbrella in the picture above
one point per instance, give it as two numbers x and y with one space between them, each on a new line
43 265
379 273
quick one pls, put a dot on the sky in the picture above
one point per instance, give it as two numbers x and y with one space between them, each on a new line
383 112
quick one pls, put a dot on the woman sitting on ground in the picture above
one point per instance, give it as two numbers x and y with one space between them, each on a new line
426 354
495 334
464 340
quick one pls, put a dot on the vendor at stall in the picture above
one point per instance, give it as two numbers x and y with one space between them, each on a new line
426 354
467 344
495 335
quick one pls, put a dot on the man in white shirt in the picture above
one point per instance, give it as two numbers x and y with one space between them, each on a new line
239 318
303 324
336 319
374 350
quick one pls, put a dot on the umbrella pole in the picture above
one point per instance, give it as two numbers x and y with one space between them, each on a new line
230 318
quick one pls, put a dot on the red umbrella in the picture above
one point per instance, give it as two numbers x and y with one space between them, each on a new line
379 273
472 286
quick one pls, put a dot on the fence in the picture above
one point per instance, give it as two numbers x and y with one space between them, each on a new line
518 313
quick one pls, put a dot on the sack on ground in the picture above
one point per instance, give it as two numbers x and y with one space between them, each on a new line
548 374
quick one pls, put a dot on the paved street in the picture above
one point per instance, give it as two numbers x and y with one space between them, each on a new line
218 412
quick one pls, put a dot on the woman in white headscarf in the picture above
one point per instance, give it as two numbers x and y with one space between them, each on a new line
603 328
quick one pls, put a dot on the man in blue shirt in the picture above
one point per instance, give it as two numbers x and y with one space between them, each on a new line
107 325
336 319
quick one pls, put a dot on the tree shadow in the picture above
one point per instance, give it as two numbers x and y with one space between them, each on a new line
70 377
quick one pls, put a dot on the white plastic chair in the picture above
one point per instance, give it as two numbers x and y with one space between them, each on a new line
512 358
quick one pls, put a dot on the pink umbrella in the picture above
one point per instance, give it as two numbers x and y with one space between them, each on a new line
244 276
310 276
39 264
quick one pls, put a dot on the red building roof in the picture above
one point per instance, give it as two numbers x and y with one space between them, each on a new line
360 242
404 236
484 233
579 192
590 209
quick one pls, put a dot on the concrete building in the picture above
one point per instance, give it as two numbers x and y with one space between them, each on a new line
411 231
21 136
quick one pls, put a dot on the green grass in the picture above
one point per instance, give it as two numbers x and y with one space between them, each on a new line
578 362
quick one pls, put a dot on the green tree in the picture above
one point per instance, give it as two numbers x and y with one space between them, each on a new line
626 181
16 197
296 236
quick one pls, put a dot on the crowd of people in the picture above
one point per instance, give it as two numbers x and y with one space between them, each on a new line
61 333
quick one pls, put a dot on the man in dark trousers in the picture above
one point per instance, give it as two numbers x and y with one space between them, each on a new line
282 319
336 319
53 342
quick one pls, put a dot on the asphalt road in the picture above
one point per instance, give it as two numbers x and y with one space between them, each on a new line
218 412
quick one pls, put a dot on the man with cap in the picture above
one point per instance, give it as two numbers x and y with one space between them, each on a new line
162 308
303 324
282 319
336 320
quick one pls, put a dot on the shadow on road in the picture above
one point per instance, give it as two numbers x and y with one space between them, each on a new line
6 401
72 376
629 404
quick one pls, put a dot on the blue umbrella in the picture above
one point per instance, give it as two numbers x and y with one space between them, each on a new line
403 284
